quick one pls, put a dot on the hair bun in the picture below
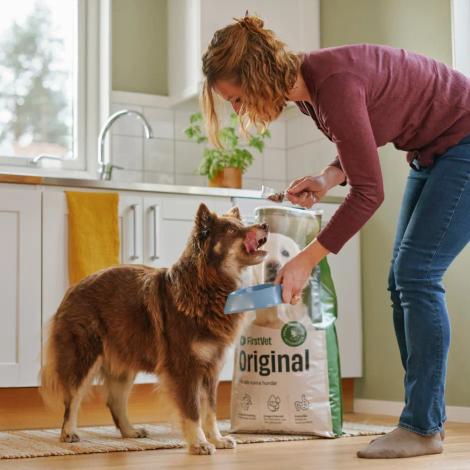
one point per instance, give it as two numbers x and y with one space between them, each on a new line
251 22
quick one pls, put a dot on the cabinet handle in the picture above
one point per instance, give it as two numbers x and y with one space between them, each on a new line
134 254
156 239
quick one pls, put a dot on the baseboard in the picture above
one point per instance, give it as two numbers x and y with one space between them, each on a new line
457 414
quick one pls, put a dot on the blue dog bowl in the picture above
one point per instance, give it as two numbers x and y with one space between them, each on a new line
253 297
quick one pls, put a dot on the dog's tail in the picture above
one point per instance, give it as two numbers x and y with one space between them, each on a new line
51 389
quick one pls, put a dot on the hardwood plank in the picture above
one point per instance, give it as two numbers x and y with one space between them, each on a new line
21 179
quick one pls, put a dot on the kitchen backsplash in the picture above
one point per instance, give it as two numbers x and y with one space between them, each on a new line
296 148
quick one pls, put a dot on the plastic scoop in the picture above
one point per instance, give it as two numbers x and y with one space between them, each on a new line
253 297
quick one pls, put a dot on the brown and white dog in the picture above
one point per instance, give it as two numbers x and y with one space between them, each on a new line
127 319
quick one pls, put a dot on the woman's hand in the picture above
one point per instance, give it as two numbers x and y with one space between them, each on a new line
294 274
307 191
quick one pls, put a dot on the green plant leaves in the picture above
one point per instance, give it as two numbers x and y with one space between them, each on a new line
232 155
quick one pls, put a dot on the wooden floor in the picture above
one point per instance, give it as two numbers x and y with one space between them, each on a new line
319 454
22 408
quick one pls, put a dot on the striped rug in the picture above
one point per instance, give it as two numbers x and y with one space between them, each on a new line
97 439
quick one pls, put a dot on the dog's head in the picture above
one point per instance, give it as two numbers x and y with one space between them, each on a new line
280 249
226 243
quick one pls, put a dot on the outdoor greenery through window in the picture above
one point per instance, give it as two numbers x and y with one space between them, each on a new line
38 77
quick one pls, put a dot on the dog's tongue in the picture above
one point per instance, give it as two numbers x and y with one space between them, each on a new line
251 242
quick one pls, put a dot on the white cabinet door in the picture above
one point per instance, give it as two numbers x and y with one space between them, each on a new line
55 275
20 287
295 22
177 218
55 244
153 231
192 24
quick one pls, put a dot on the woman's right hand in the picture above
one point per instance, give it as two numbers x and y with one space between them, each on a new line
307 191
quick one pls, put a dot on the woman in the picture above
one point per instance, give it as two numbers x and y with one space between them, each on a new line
362 97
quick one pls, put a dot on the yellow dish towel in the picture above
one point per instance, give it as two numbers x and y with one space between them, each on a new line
93 233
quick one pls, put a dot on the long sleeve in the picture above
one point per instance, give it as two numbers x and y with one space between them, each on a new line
337 164
343 110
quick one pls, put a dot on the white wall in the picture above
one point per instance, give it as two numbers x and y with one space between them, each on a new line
296 148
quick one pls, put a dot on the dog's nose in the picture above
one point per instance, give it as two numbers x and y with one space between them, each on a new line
271 270
265 226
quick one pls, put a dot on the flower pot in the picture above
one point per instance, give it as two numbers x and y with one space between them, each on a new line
227 178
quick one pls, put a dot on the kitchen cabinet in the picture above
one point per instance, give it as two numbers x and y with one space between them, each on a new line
346 272
55 239
153 231
20 287
192 23
55 244
177 219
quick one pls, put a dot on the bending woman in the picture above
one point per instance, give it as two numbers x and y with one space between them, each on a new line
362 97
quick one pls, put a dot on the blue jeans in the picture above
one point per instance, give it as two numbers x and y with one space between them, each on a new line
433 227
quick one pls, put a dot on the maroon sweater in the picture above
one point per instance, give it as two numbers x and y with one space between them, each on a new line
365 96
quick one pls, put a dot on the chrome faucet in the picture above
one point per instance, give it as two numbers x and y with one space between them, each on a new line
105 167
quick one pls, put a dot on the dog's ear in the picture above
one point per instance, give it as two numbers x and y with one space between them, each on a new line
234 212
203 222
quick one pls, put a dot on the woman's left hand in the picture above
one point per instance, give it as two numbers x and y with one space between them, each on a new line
294 276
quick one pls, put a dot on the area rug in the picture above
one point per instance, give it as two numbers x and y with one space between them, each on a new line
97 439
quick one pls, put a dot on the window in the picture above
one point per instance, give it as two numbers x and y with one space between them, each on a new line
49 82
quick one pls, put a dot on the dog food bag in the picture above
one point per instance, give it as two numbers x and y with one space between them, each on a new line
286 373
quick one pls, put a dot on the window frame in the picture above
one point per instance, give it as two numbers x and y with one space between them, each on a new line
92 90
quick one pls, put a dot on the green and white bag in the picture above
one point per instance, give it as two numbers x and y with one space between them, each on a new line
286 373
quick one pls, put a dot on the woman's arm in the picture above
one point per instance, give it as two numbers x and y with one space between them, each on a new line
351 130
305 192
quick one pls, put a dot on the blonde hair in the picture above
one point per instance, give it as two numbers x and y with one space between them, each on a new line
255 59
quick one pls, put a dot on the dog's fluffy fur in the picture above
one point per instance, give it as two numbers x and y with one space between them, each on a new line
128 319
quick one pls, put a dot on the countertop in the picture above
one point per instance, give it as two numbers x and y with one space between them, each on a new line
127 186
145 187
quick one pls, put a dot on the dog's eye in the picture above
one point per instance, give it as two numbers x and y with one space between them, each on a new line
285 253
232 230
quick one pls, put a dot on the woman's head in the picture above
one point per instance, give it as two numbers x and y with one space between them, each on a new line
250 67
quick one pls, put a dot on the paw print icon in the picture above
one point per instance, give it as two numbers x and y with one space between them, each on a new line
274 402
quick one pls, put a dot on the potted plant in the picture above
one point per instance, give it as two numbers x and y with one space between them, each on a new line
224 167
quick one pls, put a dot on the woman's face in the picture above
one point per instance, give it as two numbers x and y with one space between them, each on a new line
229 92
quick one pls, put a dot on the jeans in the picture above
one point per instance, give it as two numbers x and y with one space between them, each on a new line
433 227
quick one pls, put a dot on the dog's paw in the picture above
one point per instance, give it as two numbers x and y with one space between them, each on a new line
227 442
69 437
202 448
135 433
